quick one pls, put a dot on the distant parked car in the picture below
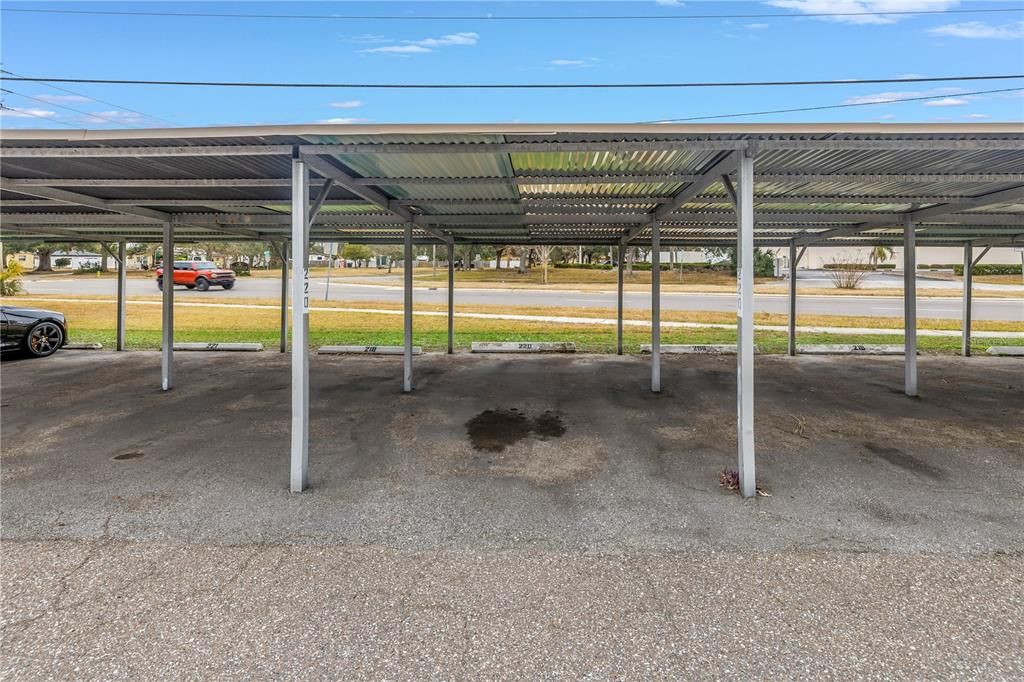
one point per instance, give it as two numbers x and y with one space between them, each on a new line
37 332
197 274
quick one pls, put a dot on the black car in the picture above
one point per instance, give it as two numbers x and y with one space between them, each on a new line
37 332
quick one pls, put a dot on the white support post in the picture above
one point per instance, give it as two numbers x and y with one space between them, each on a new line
745 327
622 271
284 295
965 323
167 347
909 307
122 285
407 354
792 298
300 326
655 307
451 297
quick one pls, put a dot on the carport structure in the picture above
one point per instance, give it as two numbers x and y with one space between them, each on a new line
773 186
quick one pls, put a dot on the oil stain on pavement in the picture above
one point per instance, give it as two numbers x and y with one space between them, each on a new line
495 430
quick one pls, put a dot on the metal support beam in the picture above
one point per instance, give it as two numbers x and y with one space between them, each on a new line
745 327
909 307
451 297
167 327
321 197
965 320
655 307
791 350
66 197
300 327
407 266
980 256
282 252
122 285
621 279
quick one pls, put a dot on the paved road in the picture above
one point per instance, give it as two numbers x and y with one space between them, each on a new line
867 306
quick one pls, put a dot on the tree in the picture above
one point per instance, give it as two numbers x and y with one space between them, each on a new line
764 261
358 253
524 259
880 254
392 253
545 254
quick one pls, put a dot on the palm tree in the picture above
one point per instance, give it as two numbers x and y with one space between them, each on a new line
879 254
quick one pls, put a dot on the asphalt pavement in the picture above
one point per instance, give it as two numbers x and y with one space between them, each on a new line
512 518
390 290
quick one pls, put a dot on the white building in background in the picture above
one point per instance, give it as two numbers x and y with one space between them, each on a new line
817 256
77 260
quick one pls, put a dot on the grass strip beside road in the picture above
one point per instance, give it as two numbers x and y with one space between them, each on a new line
93 321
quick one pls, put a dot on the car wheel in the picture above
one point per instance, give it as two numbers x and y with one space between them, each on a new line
190 286
228 285
202 284
43 339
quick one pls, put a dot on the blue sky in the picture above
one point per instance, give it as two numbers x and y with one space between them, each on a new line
478 50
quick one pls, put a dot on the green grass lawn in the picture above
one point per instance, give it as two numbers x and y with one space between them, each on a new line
93 321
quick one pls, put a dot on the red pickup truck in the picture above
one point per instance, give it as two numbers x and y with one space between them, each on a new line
197 274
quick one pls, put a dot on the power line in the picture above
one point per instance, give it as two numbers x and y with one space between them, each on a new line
834 106
4 107
63 106
629 17
101 101
513 86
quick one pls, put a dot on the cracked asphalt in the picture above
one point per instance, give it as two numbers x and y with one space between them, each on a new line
589 539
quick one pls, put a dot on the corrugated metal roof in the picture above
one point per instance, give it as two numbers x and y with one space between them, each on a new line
559 183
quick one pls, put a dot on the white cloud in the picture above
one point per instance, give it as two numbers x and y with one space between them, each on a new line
367 39
62 99
866 9
886 117
758 27
344 121
977 116
978 29
127 117
22 112
467 38
347 104
885 97
398 49
585 62
668 3
406 47
947 102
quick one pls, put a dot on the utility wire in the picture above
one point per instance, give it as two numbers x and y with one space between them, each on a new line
101 101
629 17
834 106
511 86
63 106
4 107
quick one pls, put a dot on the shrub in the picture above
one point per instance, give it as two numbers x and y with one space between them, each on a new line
990 269
847 272
585 266
886 266
10 279
948 266
241 269
89 267
61 262
849 265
